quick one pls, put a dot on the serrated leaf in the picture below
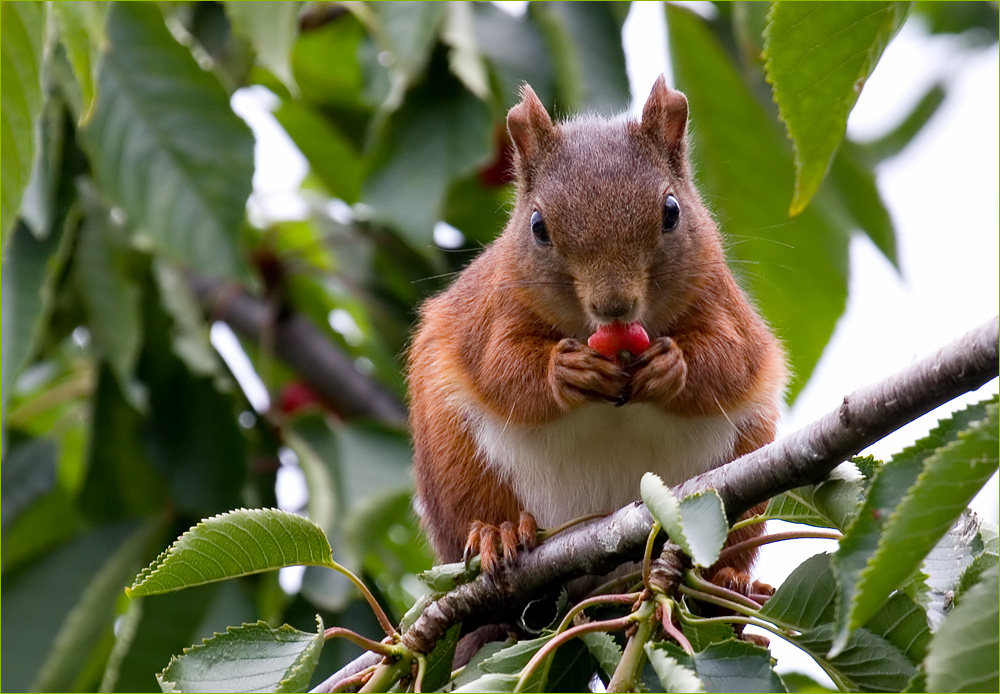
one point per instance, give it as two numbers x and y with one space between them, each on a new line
737 666
697 523
604 648
902 522
817 80
673 668
234 544
23 28
806 603
867 662
936 584
235 661
963 653
795 270
830 504
166 145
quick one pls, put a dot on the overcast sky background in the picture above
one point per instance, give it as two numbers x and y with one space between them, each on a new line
942 193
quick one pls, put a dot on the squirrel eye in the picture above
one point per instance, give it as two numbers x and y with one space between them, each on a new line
671 213
538 229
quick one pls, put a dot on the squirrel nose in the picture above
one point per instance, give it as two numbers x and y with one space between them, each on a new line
612 308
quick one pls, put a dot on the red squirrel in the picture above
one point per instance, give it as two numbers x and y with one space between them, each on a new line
514 418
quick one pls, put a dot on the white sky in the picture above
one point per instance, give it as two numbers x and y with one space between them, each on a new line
942 194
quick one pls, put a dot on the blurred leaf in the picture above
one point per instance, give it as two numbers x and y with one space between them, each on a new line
853 193
234 661
794 270
893 142
516 53
271 28
110 296
963 653
31 269
39 600
93 614
975 21
234 544
464 58
325 63
585 41
121 482
332 157
798 682
816 89
408 31
29 472
697 522
23 32
910 507
166 145
440 133
81 32
40 204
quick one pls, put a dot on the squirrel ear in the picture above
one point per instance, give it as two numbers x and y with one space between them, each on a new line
529 125
665 115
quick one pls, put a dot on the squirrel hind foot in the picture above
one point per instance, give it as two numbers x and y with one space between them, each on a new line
498 545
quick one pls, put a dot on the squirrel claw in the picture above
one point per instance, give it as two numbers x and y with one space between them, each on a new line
498 545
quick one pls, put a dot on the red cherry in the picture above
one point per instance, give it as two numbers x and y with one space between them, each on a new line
620 341
295 396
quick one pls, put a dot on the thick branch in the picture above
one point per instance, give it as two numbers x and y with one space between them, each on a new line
803 457
329 372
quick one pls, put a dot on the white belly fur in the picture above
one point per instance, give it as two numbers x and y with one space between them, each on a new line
591 460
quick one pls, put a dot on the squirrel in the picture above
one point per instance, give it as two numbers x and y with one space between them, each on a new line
515 419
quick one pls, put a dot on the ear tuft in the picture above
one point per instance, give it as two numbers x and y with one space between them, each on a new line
665 115
530 127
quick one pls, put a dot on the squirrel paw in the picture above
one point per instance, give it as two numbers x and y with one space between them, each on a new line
659 373
499 544
743 583
578 373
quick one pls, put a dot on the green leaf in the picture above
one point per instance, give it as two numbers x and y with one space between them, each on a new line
440 133
605 650
910 507
237 543
332 156
516 53
673 668
830 504
737 666
110 296
41 599
585 41
440 658
29 472
81 32
22 32
963 653
868 662
93 614
31 269
232 662
795 270
697 523
819 56
166 145
464 57
270 27
408 31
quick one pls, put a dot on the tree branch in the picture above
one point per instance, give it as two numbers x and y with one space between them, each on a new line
329 372
803 457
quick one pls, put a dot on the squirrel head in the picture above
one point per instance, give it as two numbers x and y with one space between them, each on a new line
607 225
